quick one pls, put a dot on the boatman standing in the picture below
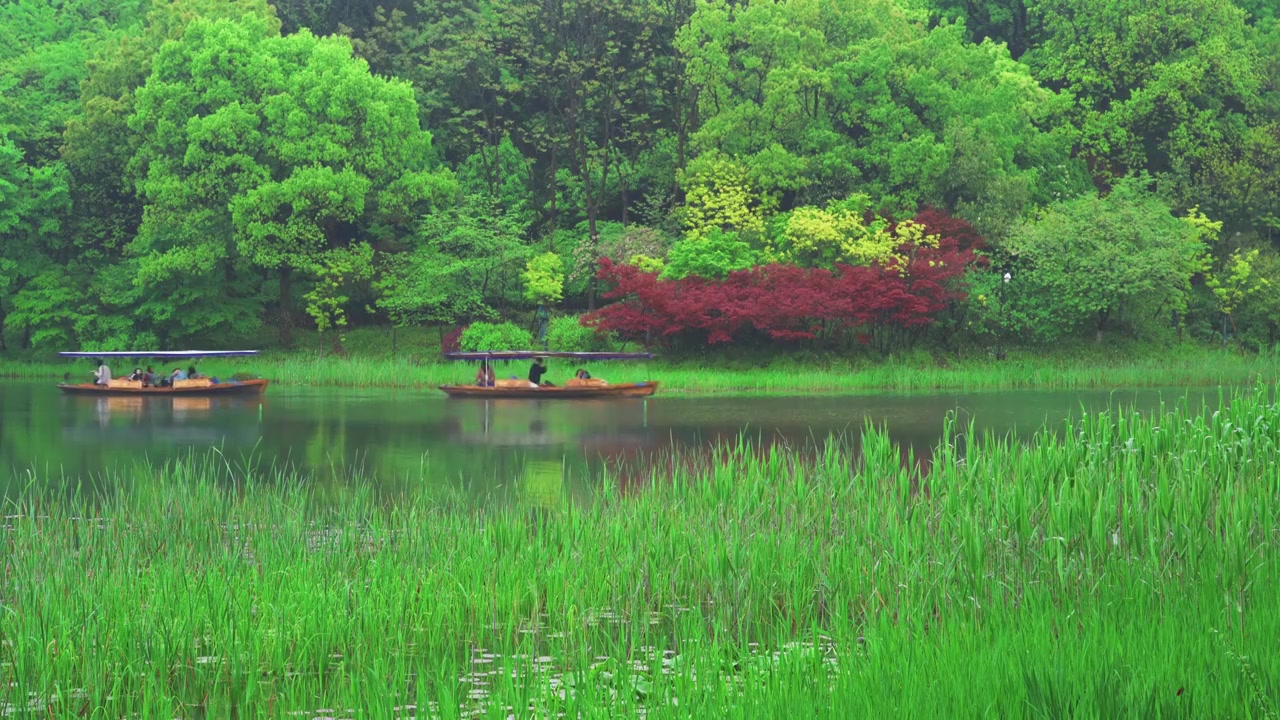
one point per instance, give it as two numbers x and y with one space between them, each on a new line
536 372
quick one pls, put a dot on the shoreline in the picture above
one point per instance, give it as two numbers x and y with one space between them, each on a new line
1175 367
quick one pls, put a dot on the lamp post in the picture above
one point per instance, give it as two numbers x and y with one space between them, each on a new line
543 317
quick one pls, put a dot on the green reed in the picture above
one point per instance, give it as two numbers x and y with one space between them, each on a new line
1117 566
1190 365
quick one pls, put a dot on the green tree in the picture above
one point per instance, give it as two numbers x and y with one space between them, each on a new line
1260 11
1098 257
98 144
713 255
1257 315
1007 21
585 65
502 173
720 195
463 268
1234 283
48 309
33 205
287 145
44 49
840 233
326 302
543 279
1157 84
823 100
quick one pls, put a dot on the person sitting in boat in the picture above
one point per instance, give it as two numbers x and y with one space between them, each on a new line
102 376
136 375
484 376
192 374
582 374
177 375
149 377
536 372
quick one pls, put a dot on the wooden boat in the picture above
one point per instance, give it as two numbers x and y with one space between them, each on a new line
574 389
567 392
206 389
198 387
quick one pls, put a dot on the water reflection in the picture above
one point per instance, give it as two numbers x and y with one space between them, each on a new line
150 423
495 448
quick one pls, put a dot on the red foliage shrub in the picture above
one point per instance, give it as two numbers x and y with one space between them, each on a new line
450 342
789 303
937 222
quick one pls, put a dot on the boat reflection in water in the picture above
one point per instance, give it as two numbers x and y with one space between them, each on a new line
554 451
585 425
143 422
630 444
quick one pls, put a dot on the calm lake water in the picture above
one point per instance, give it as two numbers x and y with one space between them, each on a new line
413 438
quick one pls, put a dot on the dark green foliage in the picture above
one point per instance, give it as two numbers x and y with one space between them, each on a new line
1004 21
1156 84
175 171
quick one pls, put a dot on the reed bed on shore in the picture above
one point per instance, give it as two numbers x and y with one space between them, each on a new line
1186 367
1122 566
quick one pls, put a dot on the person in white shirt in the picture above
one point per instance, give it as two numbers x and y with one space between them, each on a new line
102 375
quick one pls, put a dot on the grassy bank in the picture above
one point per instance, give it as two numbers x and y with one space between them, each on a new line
1122 568
1170 367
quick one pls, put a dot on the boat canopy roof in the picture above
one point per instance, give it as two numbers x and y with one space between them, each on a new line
531 354
161 354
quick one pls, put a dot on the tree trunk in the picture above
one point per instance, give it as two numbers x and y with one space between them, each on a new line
284 318
555 190
1102 321
623 181
1235 331
595 253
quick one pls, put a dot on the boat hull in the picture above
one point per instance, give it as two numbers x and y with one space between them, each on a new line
246 387
628 390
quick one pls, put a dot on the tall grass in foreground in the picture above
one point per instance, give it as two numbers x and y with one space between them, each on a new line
1121 568
1187 366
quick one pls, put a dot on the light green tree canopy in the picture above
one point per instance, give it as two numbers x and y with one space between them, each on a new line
1099 255
544 279
284 150
713 255
825 99
1156 84
466 264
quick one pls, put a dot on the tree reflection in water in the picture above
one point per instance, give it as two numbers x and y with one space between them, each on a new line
494 450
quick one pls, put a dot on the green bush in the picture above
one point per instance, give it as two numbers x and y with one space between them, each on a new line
713 256
568 334
495 336
1021 310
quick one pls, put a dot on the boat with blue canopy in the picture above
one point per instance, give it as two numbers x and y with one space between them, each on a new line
576 388
163 385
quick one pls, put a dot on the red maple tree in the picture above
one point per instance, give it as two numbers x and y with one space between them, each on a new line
789 303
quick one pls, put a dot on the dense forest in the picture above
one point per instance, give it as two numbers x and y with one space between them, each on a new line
816 174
